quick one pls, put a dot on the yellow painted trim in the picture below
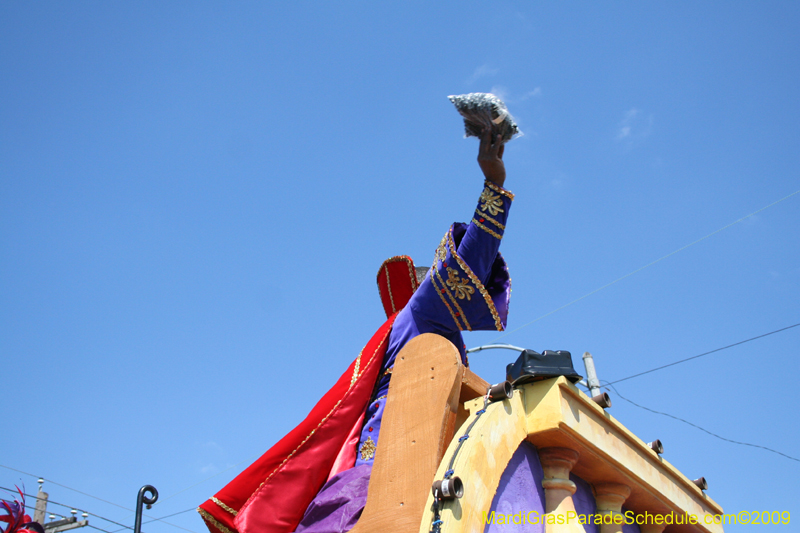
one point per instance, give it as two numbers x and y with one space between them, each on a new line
561 415
480 463
555 413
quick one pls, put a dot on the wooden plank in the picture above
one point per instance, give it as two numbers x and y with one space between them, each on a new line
418 425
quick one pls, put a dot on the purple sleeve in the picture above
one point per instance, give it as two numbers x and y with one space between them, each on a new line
481 242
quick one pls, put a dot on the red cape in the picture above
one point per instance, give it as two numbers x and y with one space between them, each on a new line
272 494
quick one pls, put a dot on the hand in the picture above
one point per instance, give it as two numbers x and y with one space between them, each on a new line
490 157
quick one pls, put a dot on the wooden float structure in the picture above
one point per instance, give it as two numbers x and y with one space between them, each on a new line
434 398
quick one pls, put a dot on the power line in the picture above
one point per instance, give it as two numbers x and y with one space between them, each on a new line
73 507
156 519
34 507
698 427
96 498
173 514
706 353
69 488
161 519
97 528
645 266
170 523
61 515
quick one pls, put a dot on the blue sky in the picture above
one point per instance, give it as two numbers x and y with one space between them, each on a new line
195 199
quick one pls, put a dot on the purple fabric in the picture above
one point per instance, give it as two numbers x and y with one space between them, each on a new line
499 287
426 312
338 505
584 501
520 491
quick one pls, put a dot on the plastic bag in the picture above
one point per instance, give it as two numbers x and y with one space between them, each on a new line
482 110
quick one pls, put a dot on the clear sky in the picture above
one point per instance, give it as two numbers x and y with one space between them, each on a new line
195 198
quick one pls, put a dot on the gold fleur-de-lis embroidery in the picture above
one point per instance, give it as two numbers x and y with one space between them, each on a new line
461 287
368 449
491 202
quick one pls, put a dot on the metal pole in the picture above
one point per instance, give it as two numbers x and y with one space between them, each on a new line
499 346
591 374
142 499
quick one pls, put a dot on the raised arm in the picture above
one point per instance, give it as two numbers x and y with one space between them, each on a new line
481 243
490 158
468 287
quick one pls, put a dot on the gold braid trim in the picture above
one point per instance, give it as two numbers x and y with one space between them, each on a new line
355 370
490 219
413 275
439 291
488 299
487 230
333 410
231 510
499 190
389 288
444 301
213 521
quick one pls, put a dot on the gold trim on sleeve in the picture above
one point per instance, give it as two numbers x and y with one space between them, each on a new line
445 284
488 299
487 230
499 190
231 510
460 286
491 202
490 219
439 291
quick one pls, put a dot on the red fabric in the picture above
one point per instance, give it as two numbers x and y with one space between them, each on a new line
346 459
397 281
272 494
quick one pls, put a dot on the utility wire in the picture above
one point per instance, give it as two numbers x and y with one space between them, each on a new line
161 500
96 498
698 427
645 266
63 516
97 528
157 519
706 353
69 488
173 514
34 507
154 519
49 501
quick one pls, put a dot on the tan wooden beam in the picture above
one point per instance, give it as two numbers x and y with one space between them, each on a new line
417 426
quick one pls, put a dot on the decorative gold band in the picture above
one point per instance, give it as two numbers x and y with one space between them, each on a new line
214 522
499 190
487 230
231 510
490 219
